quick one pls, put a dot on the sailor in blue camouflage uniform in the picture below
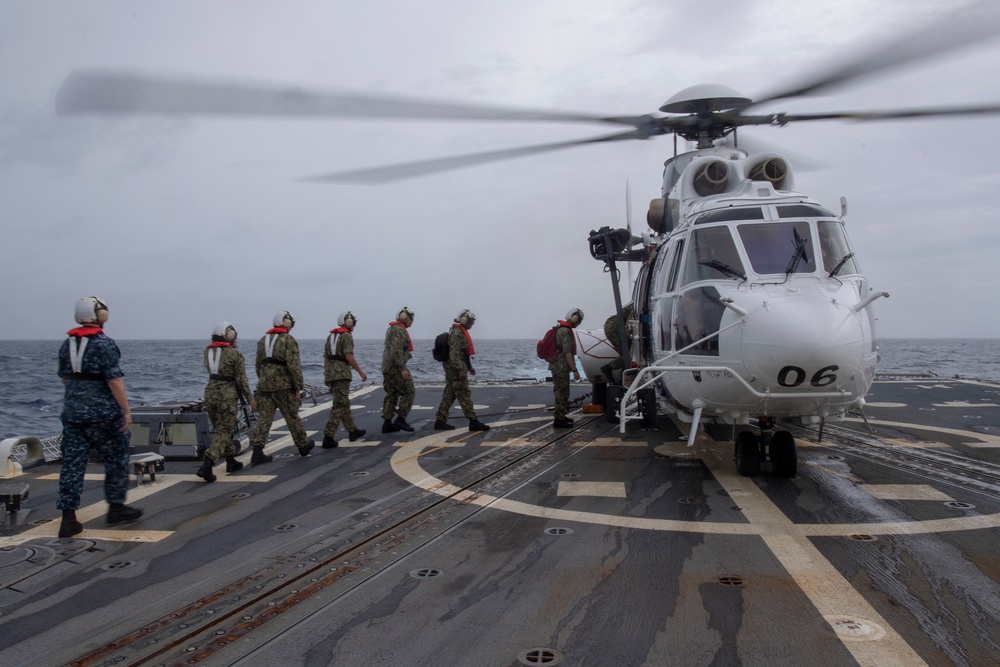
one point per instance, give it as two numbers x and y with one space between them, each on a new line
279 387
338 360
561 365
457 370
396 378
95 415
227 388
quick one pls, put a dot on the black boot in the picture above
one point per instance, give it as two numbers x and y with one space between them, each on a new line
442 426
388 426
119 513
308 447
355 434
329 442
476 425
205 471
69 526
562 422
401 423
232 465
259 456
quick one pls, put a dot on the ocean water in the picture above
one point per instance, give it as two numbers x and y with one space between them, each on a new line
171 370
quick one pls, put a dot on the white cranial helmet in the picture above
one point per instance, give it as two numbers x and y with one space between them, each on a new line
91 310
574 316
405 315
466 318
283 318
224 332
347 319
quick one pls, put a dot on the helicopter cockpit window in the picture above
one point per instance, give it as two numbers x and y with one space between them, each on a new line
728 214
712 255
779 247
803 211
699 314
838 259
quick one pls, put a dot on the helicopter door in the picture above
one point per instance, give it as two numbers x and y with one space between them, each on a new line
664 293
643 309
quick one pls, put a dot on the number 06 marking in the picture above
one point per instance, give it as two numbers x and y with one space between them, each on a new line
793 376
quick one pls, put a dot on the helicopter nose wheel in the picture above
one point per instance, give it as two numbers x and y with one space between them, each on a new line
775 449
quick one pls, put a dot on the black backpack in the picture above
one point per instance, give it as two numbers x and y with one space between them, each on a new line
441 351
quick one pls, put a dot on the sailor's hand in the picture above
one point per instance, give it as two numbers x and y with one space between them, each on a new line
363 376
127 419
253 405
463 376
576 375
472 371
405 374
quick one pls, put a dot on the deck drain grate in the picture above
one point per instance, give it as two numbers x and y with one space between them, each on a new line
239 496
360 473
284 456
863 537
730 580
39 522
557 530
425 572
569 475
540 656
119 565
688 501
957 504
834 457
286 526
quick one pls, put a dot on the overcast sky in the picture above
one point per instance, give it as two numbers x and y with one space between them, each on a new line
179 222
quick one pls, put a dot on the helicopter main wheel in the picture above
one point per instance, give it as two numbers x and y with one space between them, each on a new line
747 454
783 454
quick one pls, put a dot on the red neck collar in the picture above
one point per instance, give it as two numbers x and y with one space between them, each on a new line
85 331
278 330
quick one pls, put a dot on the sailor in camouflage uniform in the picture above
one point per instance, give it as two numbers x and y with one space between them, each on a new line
396 378
456 374
95 415
227 388
612 333
561 365
338 360
279 383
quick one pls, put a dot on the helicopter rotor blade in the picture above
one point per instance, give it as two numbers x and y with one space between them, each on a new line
397 172
964 26
118 92
785 118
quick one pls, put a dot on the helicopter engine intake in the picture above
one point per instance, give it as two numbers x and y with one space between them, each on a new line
711 178
772 169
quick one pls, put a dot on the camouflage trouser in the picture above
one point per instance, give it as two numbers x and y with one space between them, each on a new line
104 438
222 414
398 396
455 388
560 387
287 402
340 411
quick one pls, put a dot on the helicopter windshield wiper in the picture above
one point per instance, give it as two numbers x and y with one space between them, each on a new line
840 264
722 267
798 254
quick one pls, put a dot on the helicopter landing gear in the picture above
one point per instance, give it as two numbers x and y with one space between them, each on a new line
776 449
747 454
784 458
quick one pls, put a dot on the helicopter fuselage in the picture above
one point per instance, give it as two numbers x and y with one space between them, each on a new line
749 301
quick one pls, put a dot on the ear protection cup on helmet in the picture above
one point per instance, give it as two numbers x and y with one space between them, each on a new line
574 316
405 315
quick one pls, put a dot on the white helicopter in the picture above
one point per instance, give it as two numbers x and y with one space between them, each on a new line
749 303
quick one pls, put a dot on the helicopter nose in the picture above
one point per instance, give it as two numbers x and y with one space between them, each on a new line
803 343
